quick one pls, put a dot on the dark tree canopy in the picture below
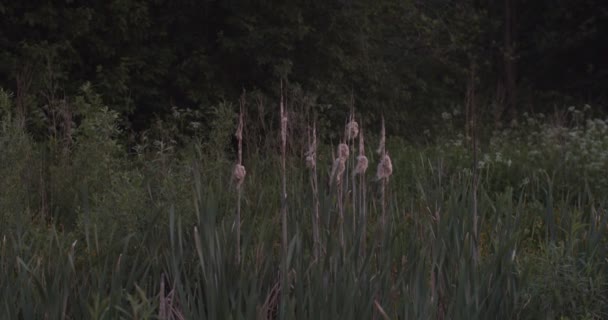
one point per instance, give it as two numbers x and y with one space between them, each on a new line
409 60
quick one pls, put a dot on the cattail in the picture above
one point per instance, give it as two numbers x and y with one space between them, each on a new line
352 130
343 151
284 240
339 165
311 154
385 167
337 170
239 128
238 174
340 170
283 125
381 146
362 162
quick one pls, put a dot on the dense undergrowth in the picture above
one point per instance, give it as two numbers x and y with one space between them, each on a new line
93 225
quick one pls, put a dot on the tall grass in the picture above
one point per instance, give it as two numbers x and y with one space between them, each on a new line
541 241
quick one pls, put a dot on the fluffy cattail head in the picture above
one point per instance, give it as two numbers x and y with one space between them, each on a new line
362 164
337 171
343 151
385 167
238 175
352 130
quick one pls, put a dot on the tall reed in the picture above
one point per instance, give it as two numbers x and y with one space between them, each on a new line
285 240
311 163
384 171
360 169
238 176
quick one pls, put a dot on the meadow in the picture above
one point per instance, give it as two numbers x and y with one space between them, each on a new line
509 224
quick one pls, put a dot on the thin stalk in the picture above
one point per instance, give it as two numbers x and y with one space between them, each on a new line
312 163
363 207
383 205
341 214
239 179
354 204
283 174
471 95
285 243
315 217
238 226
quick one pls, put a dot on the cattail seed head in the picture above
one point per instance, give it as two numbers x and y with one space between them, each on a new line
337 171
343 151
385 167
362 164
352 130
238 175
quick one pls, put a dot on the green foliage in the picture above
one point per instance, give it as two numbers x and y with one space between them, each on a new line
405 59
151 234
17 156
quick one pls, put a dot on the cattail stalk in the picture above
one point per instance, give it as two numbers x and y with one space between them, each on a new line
311 162
239 177
351 133
337 176
283 173
385 169
360 169
284 240
471 102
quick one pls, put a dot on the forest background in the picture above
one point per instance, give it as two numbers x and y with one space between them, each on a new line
408 60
